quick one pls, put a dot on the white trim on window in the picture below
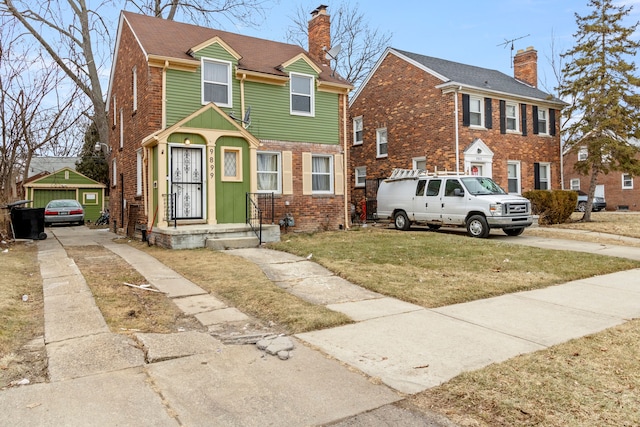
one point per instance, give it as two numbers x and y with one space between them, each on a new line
382 142
574 184
545 176
627 181
321 174
115 112
583 154
476 111
360 176
121 128
269 172
139 172
419 163
357 130
543 120
514 177
216 74
134 83
511 117
114 173
301 94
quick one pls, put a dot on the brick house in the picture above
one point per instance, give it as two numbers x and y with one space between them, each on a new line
419 112
621 190
204 119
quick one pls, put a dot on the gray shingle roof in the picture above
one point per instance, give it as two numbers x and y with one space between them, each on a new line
481 78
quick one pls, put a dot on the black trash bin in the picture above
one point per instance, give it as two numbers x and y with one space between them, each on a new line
28 223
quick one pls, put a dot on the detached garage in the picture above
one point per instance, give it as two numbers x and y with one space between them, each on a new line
67 184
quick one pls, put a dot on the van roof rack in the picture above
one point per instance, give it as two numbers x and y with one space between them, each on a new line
399 173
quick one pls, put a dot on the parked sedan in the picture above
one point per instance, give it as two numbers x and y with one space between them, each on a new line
64 210
598 202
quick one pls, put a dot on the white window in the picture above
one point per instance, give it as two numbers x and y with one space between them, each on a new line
627 181
419 163
302 102
361 175
357 131
542 121
575 183
475 111
216 82
134 77
269 172
513 177
381 142
583 154
321 176
139 172
114 173
121 128
511 112
545 176
115 112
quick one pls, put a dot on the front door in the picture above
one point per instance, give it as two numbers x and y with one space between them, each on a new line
186 183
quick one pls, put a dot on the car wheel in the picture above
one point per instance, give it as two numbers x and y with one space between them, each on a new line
582 206
401 221
513 231
477 227
434 226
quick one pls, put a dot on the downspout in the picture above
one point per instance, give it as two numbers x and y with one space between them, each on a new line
457 130
345 179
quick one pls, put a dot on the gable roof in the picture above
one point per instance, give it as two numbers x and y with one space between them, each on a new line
456 74
171 39
50 164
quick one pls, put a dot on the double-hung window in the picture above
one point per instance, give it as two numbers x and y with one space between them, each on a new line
574 183
475 111
513 177
381 142
583 154
627 181
302 99
357 131
543 176
216 82
321 174
543 121
361 176
511 113
269 172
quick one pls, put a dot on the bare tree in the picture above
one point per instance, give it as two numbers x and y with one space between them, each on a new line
35 108
361 44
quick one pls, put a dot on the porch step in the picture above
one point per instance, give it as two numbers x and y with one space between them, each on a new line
221 244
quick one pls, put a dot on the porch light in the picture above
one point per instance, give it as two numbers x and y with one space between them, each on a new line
187 141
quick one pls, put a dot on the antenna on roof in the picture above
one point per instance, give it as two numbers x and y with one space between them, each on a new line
333 54
507 42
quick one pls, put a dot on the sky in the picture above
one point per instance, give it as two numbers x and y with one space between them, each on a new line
472 32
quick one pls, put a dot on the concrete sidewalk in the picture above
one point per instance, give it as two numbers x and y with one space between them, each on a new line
191 378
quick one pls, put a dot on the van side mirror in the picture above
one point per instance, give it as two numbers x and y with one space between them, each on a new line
458 192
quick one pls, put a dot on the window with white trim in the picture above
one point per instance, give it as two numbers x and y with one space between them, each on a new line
216 82
321 174
543 121
544 176
357 130
115 112
134 84
381 142
627 181
583 154
121 128
139 172
419 163
574 184
476 112
361 176
302 98
511 113
513 177
269 172
114 173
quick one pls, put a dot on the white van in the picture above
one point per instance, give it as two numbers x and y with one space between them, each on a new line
477 203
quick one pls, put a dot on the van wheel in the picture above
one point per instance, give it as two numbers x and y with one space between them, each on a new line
582 206
401 221
513 231
477 227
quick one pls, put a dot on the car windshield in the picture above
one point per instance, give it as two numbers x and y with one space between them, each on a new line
482 186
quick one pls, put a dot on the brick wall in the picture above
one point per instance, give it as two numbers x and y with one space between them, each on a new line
420 122
137 125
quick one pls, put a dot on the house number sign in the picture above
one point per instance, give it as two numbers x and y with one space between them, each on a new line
212 165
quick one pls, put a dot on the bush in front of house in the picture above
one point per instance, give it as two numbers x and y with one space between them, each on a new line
552 207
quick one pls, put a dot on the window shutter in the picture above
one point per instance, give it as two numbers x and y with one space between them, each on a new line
523 117
466 121
536 176
307 186
287 172
535 120
503 117
488 120
552 122
338 175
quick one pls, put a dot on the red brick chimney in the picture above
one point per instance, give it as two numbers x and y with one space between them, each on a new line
319 34
525 66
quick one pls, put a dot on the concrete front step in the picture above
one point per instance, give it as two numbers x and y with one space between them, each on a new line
221 244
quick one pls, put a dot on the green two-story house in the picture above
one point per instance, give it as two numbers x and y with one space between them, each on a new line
205 122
